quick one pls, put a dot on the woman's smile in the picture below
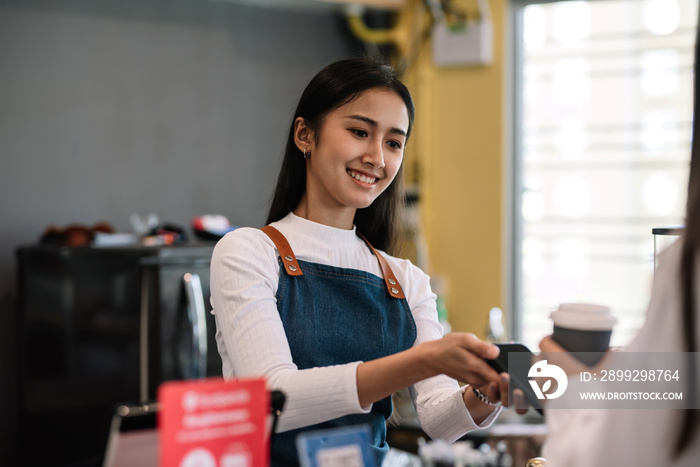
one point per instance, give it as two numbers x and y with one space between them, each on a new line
365 180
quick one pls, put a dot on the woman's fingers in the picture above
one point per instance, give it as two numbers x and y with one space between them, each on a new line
461 356
519 401
477 372
480 368
477 352
475 345
504 381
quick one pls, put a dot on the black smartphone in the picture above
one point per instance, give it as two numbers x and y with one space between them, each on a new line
518 374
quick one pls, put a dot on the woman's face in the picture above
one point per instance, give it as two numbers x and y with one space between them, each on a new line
357 152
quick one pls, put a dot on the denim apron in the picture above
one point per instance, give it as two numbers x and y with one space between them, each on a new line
333 316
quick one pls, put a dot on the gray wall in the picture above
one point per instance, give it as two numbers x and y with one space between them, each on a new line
109 107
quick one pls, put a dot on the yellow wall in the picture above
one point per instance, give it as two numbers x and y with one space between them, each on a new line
458 143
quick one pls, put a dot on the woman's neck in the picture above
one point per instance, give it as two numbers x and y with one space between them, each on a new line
339 218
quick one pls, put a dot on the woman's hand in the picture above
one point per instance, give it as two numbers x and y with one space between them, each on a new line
461 356
458 355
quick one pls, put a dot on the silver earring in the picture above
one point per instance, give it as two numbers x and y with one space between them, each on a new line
306 155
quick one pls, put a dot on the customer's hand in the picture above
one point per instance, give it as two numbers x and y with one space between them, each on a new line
547 344
558 355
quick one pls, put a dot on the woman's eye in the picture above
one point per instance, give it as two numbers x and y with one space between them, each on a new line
361 133
395 144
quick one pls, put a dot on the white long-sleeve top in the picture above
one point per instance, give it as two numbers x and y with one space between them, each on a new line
585 437
252 342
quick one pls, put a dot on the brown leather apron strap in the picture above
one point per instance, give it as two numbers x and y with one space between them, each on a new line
392 284
291 266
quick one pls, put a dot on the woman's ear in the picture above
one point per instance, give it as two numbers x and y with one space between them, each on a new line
303 135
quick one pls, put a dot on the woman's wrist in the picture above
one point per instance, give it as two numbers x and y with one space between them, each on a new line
484 398
427 356
478 408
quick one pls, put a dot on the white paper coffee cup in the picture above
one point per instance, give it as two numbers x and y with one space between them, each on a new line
583 327
584 317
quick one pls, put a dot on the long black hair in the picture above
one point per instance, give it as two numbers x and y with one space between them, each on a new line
689 255
336 85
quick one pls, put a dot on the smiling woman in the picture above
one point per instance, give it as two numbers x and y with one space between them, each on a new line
353 159
311 305
330 90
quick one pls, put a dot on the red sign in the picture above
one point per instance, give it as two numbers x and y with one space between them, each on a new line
213 423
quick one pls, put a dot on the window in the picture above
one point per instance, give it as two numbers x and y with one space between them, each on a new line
603 98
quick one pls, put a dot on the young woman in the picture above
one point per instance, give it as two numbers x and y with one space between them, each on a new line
649 437
311 305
